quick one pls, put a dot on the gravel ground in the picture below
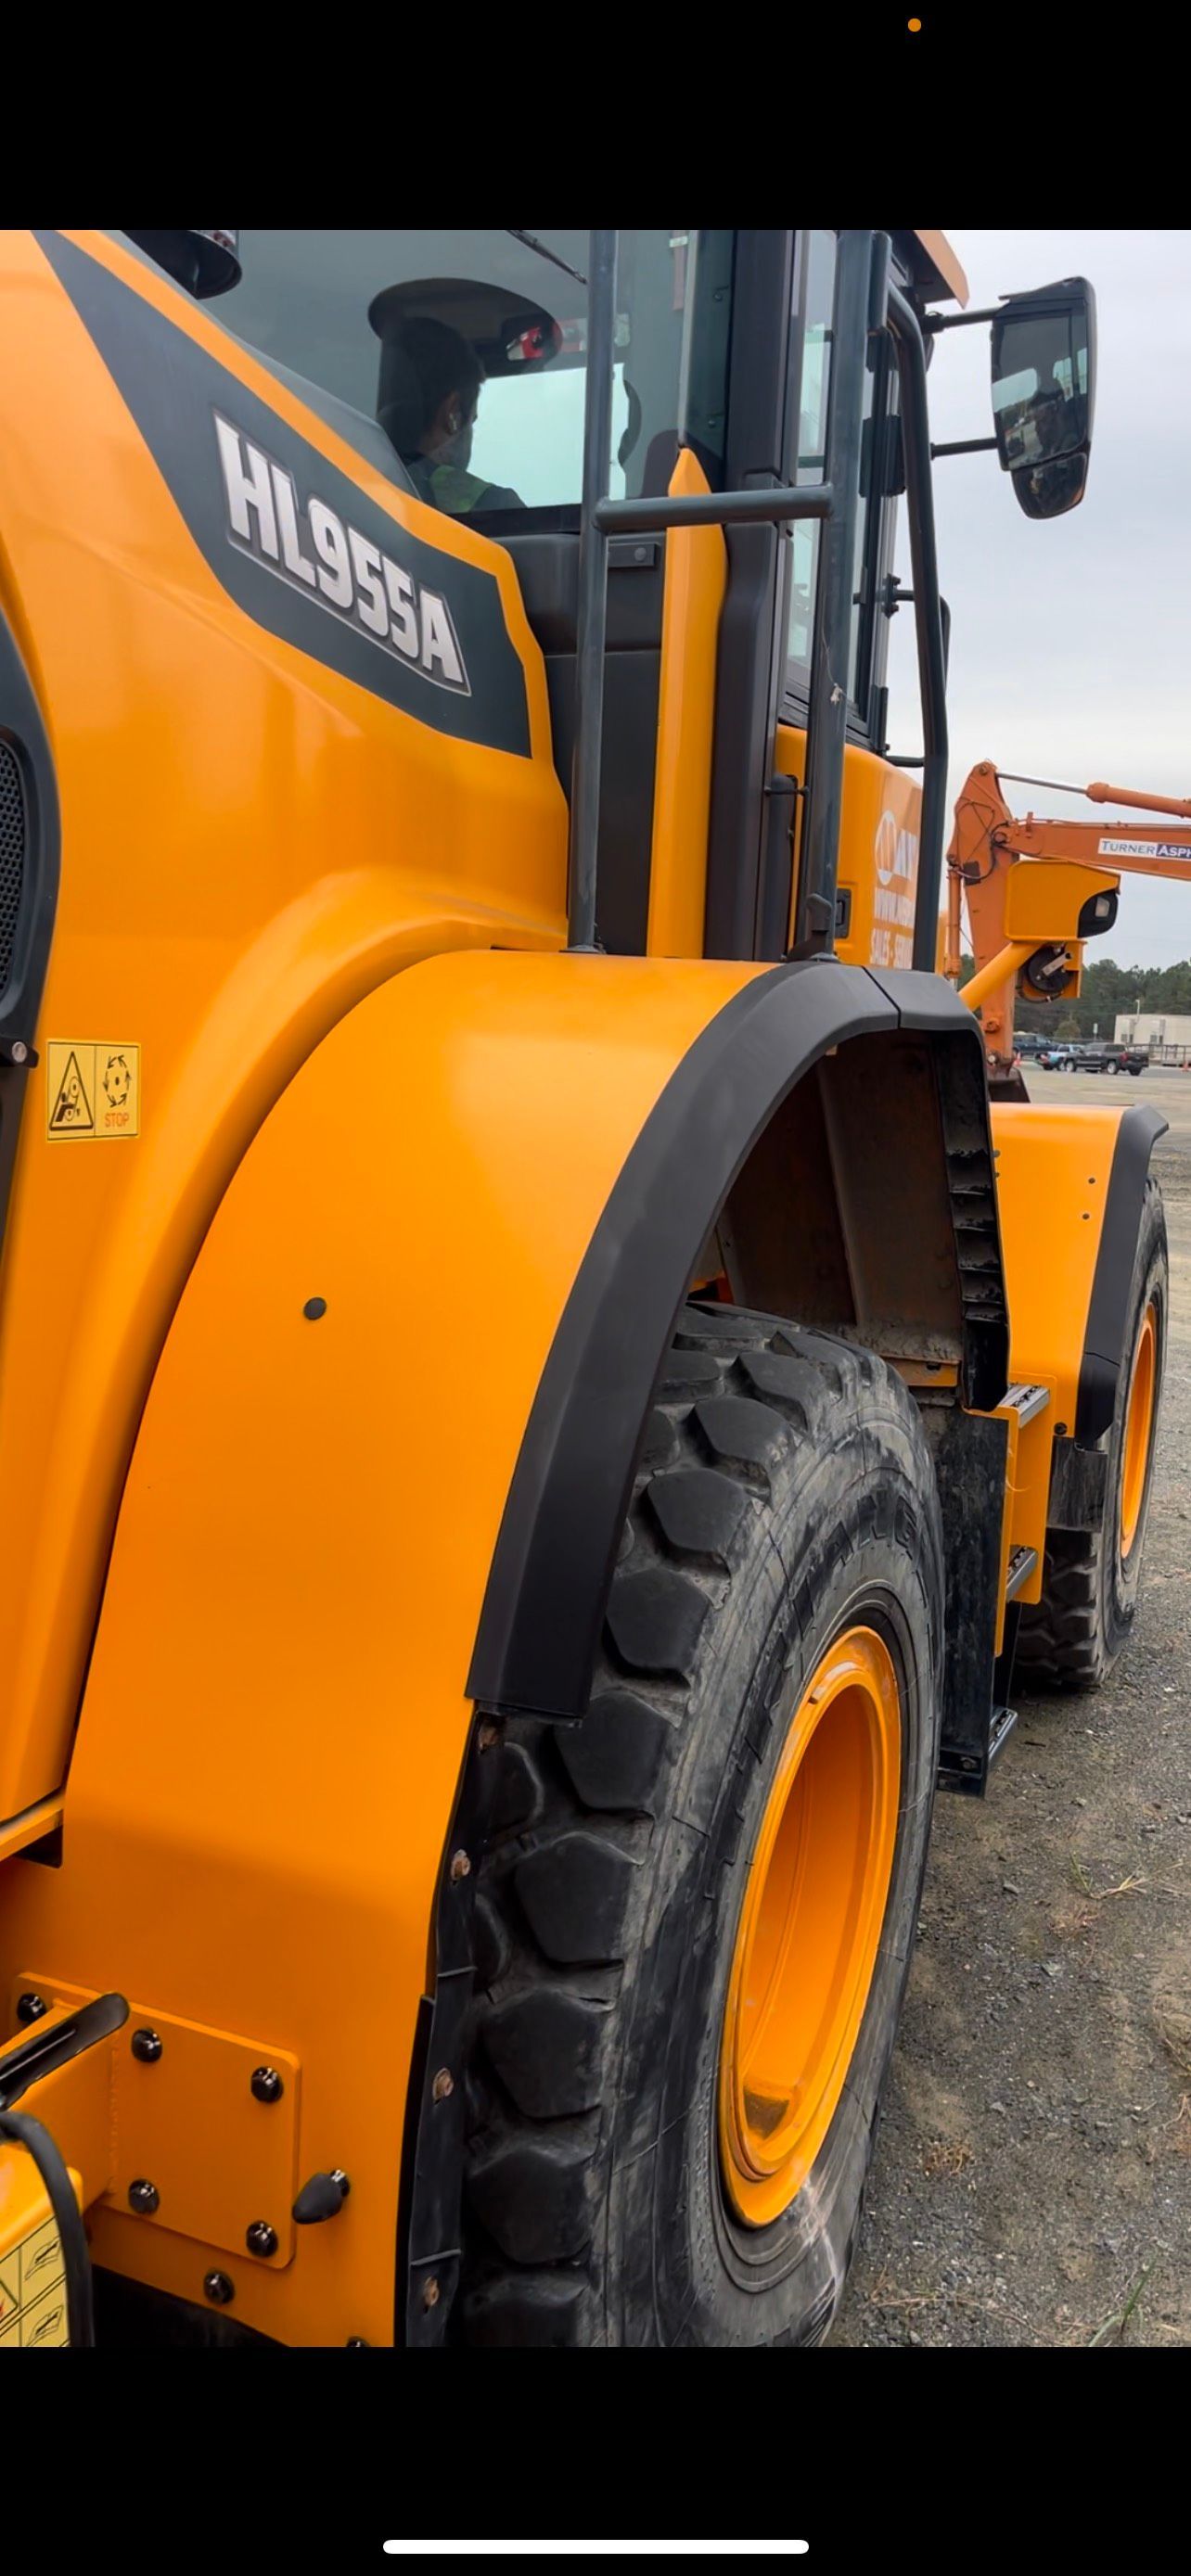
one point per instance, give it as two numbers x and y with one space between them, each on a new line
1032 2182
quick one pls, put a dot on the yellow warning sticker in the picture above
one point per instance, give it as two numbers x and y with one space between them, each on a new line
93 1089
41 2261
47 2321
33 2287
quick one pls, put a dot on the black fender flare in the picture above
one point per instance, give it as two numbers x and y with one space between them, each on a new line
552 1565
32 845
1104 1352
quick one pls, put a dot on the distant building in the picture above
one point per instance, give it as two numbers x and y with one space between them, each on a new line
1167 1034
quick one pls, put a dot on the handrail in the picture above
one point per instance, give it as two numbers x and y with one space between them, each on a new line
767 501
602 517
592 619
928 623
858 284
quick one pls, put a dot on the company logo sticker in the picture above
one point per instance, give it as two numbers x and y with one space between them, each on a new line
895 852
1143 849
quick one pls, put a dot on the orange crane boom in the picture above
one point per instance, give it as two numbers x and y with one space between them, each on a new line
1039 943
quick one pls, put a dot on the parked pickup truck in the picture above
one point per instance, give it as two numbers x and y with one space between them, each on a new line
1091 1055
1111 1055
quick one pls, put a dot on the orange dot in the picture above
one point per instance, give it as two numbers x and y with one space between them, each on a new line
915 26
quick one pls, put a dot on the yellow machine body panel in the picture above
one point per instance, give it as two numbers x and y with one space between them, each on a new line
1045 897
252 839
277 1706
878 852
1053 1171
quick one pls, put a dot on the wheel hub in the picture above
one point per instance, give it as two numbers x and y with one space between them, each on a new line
810 1926
1139 1424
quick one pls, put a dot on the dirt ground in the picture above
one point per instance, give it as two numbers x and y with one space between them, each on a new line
1032 2181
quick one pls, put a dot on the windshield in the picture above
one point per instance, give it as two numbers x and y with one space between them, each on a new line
468 351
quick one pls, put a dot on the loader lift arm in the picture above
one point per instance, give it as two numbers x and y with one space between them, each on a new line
1027 931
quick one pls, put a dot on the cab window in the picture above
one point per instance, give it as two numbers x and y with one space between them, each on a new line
811 353
466 352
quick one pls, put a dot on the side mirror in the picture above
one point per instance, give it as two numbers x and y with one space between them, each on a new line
205 264
1043 393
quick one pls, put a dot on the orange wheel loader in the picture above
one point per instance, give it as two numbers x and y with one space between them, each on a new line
527 1416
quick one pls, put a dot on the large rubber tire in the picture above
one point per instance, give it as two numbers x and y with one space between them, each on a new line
1071 1638
786 1494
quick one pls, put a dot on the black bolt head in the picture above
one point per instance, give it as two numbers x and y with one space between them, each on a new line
261 2239
144 2197
146 2046
218 2289
358 2343
314 1309
31 2008
266 2084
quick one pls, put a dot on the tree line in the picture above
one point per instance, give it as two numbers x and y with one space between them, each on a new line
1108 989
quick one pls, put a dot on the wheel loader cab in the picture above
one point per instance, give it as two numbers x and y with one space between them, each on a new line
517 1353
367 321
721 353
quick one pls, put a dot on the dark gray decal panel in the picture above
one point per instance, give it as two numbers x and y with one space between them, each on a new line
444 656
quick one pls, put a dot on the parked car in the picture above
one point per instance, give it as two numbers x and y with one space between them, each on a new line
1028 1043
1060 1056
1111 1055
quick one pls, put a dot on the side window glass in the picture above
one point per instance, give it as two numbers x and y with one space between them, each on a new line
813 326
816 289
461 357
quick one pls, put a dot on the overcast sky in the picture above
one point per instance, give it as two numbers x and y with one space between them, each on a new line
1071 639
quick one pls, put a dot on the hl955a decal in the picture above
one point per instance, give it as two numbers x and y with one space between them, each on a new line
311 546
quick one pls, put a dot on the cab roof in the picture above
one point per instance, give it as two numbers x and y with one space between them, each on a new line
934 269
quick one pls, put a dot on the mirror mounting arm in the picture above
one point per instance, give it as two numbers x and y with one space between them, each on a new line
961 446
933 322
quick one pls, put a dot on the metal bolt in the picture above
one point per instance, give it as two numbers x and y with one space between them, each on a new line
443 2085
431 2293
146 2046
31 2008
314 1309
144 2197
218 2289
489 1735
261 2239
358 2343
266 2084
338 2175
460 1865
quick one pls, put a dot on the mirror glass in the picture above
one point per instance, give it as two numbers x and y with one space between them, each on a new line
1045 491
1043 392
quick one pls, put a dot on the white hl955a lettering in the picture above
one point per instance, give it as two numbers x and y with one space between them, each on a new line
318 552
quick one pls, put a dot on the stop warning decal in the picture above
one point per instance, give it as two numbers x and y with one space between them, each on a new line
93 1089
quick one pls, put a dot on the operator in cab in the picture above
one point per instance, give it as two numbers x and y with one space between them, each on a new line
429 398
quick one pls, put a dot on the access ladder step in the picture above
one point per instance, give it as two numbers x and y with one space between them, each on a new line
1003 1722
1027 1402
1022 1561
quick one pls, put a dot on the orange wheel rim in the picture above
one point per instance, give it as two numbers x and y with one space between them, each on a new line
810 1926
1139 1425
